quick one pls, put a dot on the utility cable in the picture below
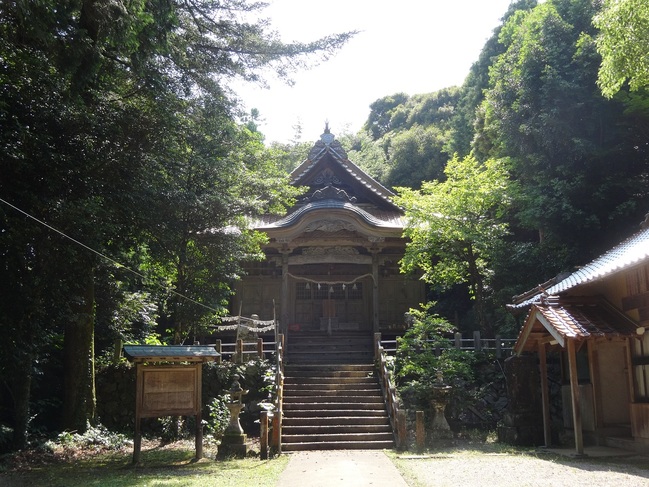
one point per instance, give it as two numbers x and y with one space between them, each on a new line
109 259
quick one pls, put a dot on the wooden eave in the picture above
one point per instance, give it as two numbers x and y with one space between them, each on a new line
556 320
170 353
311 216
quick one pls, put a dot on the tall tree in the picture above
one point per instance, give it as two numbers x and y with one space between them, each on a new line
544 111
106 109
456 226
413 134
623 43
477 81
382 114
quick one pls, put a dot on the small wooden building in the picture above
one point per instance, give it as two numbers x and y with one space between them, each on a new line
332 262
596 318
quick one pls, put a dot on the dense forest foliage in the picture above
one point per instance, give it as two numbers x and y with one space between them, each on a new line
577 161
118 133
127 169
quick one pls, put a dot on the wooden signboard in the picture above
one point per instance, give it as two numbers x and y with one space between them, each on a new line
173 390
169 383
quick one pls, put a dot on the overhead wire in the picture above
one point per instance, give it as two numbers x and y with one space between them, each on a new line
103 256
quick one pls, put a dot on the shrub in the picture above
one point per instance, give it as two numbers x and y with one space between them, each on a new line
424 355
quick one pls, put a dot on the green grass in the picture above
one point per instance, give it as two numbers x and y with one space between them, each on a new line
159 467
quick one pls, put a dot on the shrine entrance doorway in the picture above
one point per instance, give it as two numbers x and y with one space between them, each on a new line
333 302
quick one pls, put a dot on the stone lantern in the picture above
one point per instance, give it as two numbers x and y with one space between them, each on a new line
440 396
233 442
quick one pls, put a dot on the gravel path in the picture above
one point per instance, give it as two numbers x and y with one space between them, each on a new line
469 469
464 468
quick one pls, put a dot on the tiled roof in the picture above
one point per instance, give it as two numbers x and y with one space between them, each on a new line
573 318
630 252
328 145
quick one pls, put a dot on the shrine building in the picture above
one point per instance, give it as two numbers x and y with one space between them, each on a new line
332 261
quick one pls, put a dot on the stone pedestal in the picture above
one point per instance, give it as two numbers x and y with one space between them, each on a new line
440 395
233 446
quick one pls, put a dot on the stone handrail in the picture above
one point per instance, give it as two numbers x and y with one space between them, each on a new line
276 442
396 414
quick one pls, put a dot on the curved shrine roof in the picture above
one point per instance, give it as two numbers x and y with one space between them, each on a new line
628 253
327 149
337 185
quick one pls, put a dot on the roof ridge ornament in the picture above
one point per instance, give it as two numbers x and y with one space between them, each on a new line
327 137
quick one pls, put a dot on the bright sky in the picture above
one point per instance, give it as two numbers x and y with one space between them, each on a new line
410 46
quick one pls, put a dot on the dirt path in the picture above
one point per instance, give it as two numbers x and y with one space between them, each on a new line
341 468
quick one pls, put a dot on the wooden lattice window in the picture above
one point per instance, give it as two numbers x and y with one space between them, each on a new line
355 291
303 291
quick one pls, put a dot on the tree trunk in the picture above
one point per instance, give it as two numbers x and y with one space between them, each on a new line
79 400
21 381
477 283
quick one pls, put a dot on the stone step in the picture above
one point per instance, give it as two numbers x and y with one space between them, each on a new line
338 445
317 357
317 348
315 377
337 437
308 389
333 392
376 420
352 396
296 412
622 443
353 404
333 342
330 370
291 430
298 383
334 406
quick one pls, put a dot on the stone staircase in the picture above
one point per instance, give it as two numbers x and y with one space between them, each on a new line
316 347
333 407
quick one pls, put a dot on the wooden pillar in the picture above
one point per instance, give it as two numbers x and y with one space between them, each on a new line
198 419
284 298
137 439
377 346
576 403
217 346
375 291
117 353
593 362
263 435
420 431
238 351
402 432
276 440
477 341
545 394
